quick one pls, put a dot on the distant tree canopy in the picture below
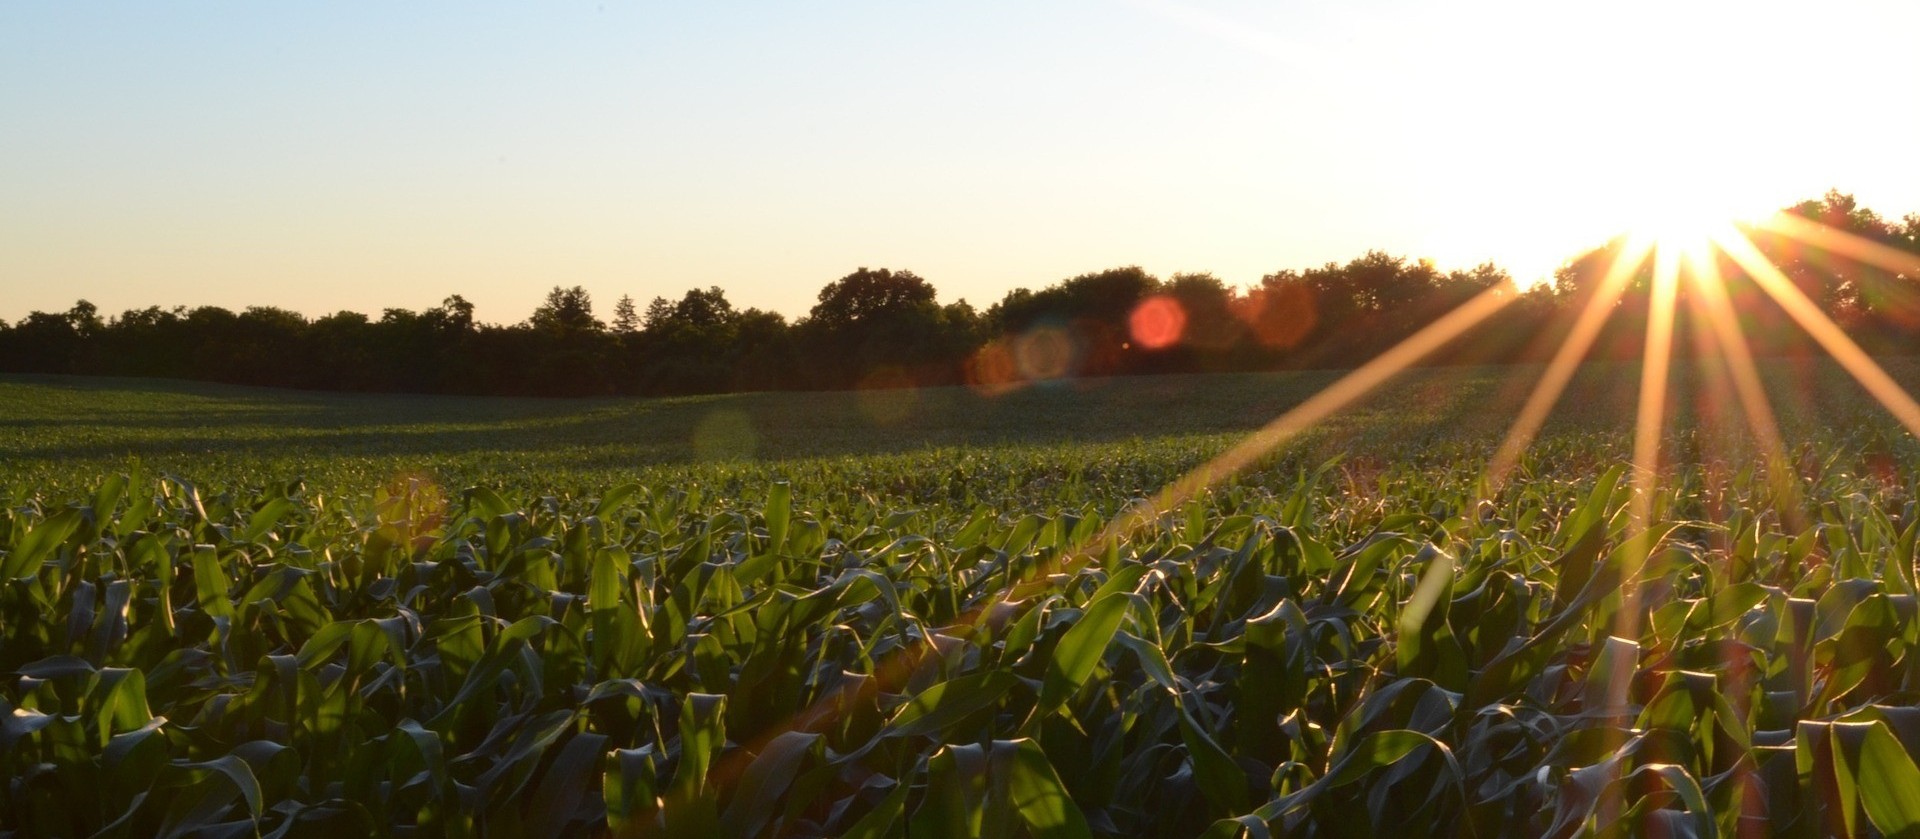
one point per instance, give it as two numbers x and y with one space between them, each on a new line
567 311
882 328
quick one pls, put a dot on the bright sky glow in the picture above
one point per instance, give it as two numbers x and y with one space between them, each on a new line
359 156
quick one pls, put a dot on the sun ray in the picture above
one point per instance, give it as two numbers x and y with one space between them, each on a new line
1829 335
1841 242
1553 381
891 671
1334 397
1724 346
1648 426
1708 292
1713 401
1646 461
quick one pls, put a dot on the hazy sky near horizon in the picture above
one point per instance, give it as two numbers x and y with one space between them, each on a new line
329 156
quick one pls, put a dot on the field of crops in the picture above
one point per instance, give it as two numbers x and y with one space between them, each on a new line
929 613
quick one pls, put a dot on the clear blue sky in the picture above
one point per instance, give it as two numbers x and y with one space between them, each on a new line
328 156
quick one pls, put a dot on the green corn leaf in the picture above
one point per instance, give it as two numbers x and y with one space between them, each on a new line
210 583
879 822
1874 770
779 512
765 781
1080 650
265 519
1041 798
932 711
40 543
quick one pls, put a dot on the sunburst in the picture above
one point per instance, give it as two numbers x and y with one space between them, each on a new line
1684 244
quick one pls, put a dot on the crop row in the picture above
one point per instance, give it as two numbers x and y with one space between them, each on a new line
1278 656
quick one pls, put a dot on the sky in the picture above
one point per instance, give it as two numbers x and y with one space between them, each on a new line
357 156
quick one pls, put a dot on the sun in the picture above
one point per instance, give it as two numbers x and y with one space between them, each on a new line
1670 184
1681 225
1682 194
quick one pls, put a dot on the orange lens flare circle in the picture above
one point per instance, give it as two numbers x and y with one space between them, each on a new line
1157 323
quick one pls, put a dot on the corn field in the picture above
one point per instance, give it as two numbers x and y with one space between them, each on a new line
1344 649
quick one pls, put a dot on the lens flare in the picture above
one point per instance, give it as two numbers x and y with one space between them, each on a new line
1709 294
1045 352
1843 243
992 371
1822 328
1649 422
1050 352
1560 369
1157 323
1279 316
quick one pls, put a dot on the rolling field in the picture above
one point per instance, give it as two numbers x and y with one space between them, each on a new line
227 611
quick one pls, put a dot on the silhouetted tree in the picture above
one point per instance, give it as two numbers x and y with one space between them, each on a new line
455 314
1209 331
1868 299
1908 235
763 352
1090 311
573 352
881 328
658 311
877 327
44 343
566 311
625 320
1104 297
689 346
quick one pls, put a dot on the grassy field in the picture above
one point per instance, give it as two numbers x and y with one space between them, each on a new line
237 611
57 431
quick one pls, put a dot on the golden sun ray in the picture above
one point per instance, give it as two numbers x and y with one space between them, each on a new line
1827 333
1333 398
1647 427
1841 242
1646 461
892 671
1723 354
1713 403
1709 294
1553 381
1727 343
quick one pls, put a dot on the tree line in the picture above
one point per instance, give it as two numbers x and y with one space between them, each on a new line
887 328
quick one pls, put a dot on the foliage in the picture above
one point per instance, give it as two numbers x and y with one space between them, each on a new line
566 310
825 647
882 328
